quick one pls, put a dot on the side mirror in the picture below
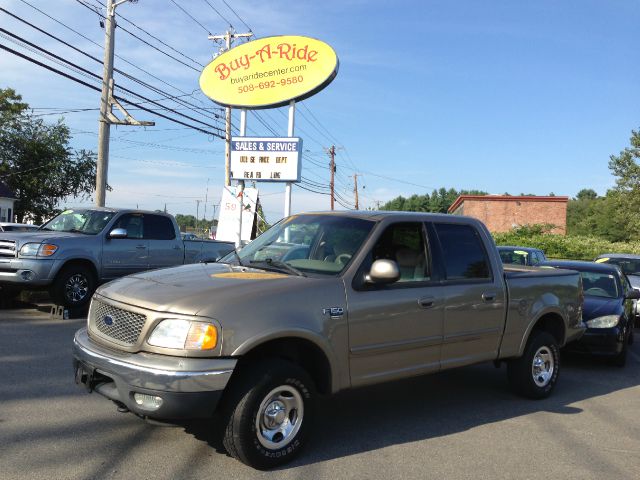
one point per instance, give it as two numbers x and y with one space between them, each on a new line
118 233
633 295
383 271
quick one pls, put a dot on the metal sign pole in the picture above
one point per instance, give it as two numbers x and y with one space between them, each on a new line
287 194
240 192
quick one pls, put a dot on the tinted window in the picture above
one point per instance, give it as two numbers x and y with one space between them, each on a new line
132 223
463 252
404 243
158 228
597 284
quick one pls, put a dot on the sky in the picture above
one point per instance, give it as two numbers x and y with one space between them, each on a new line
501 96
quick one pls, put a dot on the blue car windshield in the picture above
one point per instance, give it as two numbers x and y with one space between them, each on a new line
597 284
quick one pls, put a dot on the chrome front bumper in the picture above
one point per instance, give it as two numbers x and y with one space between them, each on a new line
188 387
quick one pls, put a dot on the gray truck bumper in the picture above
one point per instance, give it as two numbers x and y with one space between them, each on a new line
186 387
25 273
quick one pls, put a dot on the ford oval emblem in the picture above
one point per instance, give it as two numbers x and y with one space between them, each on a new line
107 320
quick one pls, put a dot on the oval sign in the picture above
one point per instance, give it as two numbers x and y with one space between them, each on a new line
270 72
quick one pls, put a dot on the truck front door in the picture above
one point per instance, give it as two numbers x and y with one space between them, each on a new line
396 330
124 256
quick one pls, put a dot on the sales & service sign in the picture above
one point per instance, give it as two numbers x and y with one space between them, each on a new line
270 72
266 159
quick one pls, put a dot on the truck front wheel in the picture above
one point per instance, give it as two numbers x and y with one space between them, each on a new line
534 375
73 286
269 413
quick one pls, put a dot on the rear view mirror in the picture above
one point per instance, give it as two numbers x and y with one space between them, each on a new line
118 233
633 294
383 271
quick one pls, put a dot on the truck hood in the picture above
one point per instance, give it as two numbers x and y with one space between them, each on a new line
39 236
594 307
199 289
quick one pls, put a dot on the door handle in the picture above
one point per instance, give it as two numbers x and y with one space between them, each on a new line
426 302
140 247
488 296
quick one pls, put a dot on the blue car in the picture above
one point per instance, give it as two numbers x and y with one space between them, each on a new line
608 309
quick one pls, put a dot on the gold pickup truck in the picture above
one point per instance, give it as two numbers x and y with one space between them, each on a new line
319 303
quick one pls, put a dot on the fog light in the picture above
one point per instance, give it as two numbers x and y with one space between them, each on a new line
27 275
148 402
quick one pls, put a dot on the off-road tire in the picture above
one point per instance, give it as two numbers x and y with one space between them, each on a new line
520 371
60 292
242 410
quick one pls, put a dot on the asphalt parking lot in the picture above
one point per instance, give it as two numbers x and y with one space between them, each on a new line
459 424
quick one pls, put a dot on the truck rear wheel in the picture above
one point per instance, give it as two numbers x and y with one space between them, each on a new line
73 286
269 413
534 375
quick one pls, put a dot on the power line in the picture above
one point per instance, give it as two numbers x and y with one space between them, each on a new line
191 17
236 14
219 14
93 87
88 73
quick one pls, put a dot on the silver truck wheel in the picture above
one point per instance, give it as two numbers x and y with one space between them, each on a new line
268 410
279 417
543 366
535 373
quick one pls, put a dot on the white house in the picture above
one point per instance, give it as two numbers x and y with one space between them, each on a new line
7 200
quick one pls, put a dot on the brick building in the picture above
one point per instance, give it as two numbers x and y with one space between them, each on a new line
501 213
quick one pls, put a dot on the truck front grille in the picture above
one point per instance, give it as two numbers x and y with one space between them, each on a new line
7 248
116 323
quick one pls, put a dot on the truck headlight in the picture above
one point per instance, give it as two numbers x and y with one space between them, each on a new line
607 321
184 334
38 249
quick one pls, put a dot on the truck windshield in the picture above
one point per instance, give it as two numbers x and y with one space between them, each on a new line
89 222
320 244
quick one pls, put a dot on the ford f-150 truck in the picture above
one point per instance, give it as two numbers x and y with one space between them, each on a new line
80 248
319 303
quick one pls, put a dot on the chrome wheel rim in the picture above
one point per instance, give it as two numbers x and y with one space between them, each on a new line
279 417
76 288
543 366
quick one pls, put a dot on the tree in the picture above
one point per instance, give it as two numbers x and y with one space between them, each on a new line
586 194
37 163
625 167
439 201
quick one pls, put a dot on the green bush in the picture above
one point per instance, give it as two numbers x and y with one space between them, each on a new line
571 247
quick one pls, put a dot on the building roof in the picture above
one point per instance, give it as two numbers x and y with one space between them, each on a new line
507 198
5 192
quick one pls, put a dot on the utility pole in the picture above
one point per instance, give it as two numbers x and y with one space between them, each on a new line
355 188
332 168
197 213
107 102
228 38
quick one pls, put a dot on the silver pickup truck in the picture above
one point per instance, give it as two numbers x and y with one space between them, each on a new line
319 303
80 248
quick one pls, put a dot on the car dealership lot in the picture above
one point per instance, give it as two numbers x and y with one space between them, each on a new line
459 424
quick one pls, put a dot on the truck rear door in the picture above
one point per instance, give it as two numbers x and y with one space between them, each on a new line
475 304
165 247
395 330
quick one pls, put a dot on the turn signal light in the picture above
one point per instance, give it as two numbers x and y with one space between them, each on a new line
202 336
46 250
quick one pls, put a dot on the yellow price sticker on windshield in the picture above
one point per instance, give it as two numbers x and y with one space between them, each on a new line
521 252
602 260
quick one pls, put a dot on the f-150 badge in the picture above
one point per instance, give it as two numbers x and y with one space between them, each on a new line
334 312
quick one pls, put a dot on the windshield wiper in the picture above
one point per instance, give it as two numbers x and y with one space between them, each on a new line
278 266
75 230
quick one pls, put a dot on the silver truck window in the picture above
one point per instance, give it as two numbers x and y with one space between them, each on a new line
89 222
133 223
157 227
316 244
404 243
463 252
